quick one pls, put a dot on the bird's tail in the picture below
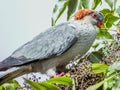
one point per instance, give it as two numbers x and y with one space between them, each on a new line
3 67
13 62
7 63
14 72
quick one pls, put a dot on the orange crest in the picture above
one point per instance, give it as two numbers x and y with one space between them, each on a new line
81 13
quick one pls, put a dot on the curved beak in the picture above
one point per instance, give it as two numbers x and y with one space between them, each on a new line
99 24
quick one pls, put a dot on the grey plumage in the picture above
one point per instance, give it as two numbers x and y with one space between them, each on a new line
51 43
52 48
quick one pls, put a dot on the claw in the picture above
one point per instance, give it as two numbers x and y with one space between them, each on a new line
59 75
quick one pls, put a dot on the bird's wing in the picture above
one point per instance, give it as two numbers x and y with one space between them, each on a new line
55 41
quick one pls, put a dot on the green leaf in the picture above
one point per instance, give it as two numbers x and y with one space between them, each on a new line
95 3
96 86
62 10
1 88
95 57
108 16
110 19
71 8
14 82
115 1
80 5
108 25
12 85
105 11
49 86
103 34
99 68
114 67
55 8
110 3
95 45
118 10
85 3
35 85
115 85
109 84
61 80
9 86
53 22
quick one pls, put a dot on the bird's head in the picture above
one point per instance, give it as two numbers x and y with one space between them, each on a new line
94 17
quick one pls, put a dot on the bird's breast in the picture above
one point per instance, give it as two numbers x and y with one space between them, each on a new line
86 37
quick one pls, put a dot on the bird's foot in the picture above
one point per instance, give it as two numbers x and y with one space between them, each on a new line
59 75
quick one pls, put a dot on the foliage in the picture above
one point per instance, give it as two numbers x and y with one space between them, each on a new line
99 68
60 80
50 84
96 3
111 77
95 57
12 85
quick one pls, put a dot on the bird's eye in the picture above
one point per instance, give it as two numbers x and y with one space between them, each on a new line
94 15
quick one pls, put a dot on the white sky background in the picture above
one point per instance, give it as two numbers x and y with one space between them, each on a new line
20 21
